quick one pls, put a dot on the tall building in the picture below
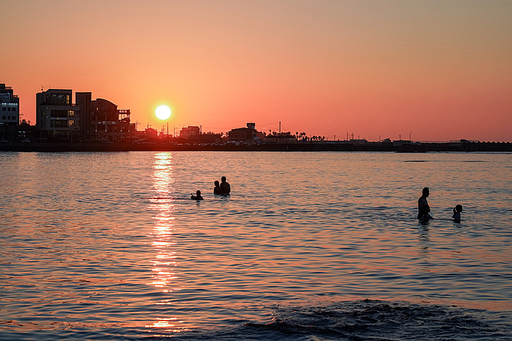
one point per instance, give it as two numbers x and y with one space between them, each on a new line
56 116
9 113
84 101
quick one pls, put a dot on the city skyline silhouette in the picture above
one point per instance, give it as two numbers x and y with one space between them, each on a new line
438 70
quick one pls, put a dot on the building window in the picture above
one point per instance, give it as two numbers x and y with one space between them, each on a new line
58 124
71 123
59 113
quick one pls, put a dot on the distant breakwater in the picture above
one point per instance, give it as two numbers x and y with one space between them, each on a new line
300 146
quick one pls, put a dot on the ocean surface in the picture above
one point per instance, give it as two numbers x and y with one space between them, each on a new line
308 246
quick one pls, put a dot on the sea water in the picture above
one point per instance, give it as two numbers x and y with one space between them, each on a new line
308 246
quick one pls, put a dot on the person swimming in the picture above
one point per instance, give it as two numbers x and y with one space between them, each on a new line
423 207
197 196
456 213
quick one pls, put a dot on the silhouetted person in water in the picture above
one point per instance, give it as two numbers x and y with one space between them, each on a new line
197 196
216 189
224 186
456 213
423 208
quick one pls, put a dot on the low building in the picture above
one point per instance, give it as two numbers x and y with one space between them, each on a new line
149 135
209 138
189 131
9 113
110 124
358 141
248 135
281 138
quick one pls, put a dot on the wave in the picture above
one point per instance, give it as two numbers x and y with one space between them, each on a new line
349 320
370 320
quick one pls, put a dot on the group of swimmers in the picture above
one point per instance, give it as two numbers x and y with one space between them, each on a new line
424 208
223 188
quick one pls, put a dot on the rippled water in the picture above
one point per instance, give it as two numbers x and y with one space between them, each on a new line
309 246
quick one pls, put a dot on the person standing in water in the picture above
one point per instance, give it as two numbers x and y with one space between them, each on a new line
423 207
216 189
225 188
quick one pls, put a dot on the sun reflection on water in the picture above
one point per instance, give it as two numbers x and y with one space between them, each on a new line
164 264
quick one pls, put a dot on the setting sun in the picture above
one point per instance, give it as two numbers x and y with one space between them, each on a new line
163 112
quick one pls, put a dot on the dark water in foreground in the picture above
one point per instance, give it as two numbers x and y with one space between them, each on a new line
309 246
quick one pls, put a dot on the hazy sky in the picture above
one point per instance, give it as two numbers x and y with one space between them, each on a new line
440 70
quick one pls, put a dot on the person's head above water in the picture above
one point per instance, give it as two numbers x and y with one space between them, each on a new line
223 179
197 196
216 183
425 192
458 208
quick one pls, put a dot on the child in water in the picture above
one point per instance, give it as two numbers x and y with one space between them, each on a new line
216 189
456 213
197 196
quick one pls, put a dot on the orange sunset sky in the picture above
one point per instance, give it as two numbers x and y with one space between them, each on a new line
441 70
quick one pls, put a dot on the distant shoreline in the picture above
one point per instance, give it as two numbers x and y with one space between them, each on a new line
341 146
